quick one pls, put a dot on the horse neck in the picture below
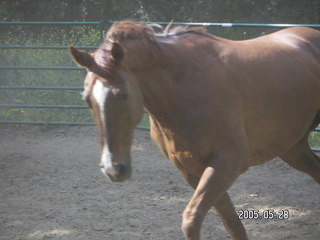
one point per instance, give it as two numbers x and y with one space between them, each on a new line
154 80
156 88
167 72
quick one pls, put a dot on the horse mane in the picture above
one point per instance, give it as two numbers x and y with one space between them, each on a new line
145 34
129 30
183 29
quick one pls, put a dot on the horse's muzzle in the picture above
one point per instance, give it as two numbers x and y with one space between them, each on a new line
117 173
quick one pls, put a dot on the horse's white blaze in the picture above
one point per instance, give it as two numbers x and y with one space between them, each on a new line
100 93
106 161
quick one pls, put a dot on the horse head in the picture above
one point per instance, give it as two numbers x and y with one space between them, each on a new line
116 105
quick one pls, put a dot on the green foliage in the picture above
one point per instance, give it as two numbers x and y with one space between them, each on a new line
261 11
53 36
245 11
314 140
39 57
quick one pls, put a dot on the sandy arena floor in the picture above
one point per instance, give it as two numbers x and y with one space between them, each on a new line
51 188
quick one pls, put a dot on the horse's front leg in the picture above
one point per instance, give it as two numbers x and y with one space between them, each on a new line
226 211
214 182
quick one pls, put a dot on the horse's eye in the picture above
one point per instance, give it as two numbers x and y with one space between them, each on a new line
122 96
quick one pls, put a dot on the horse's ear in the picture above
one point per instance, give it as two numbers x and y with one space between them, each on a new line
117 52
82 58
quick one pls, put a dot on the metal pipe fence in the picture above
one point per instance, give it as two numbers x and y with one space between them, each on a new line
102 26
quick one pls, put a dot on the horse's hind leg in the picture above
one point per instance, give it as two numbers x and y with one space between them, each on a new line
226 211
302 158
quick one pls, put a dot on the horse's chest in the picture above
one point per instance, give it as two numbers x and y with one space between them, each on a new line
183 154
186 162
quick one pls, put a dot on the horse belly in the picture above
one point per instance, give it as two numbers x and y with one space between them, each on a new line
280 105
274 130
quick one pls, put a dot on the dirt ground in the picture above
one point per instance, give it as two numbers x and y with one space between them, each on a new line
51 188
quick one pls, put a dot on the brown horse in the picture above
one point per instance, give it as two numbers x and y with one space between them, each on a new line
216 106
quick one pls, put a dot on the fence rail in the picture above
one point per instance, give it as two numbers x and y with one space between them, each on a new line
106 22
39 88
43 106
39 68
229 25
101 25
52 23
43 47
